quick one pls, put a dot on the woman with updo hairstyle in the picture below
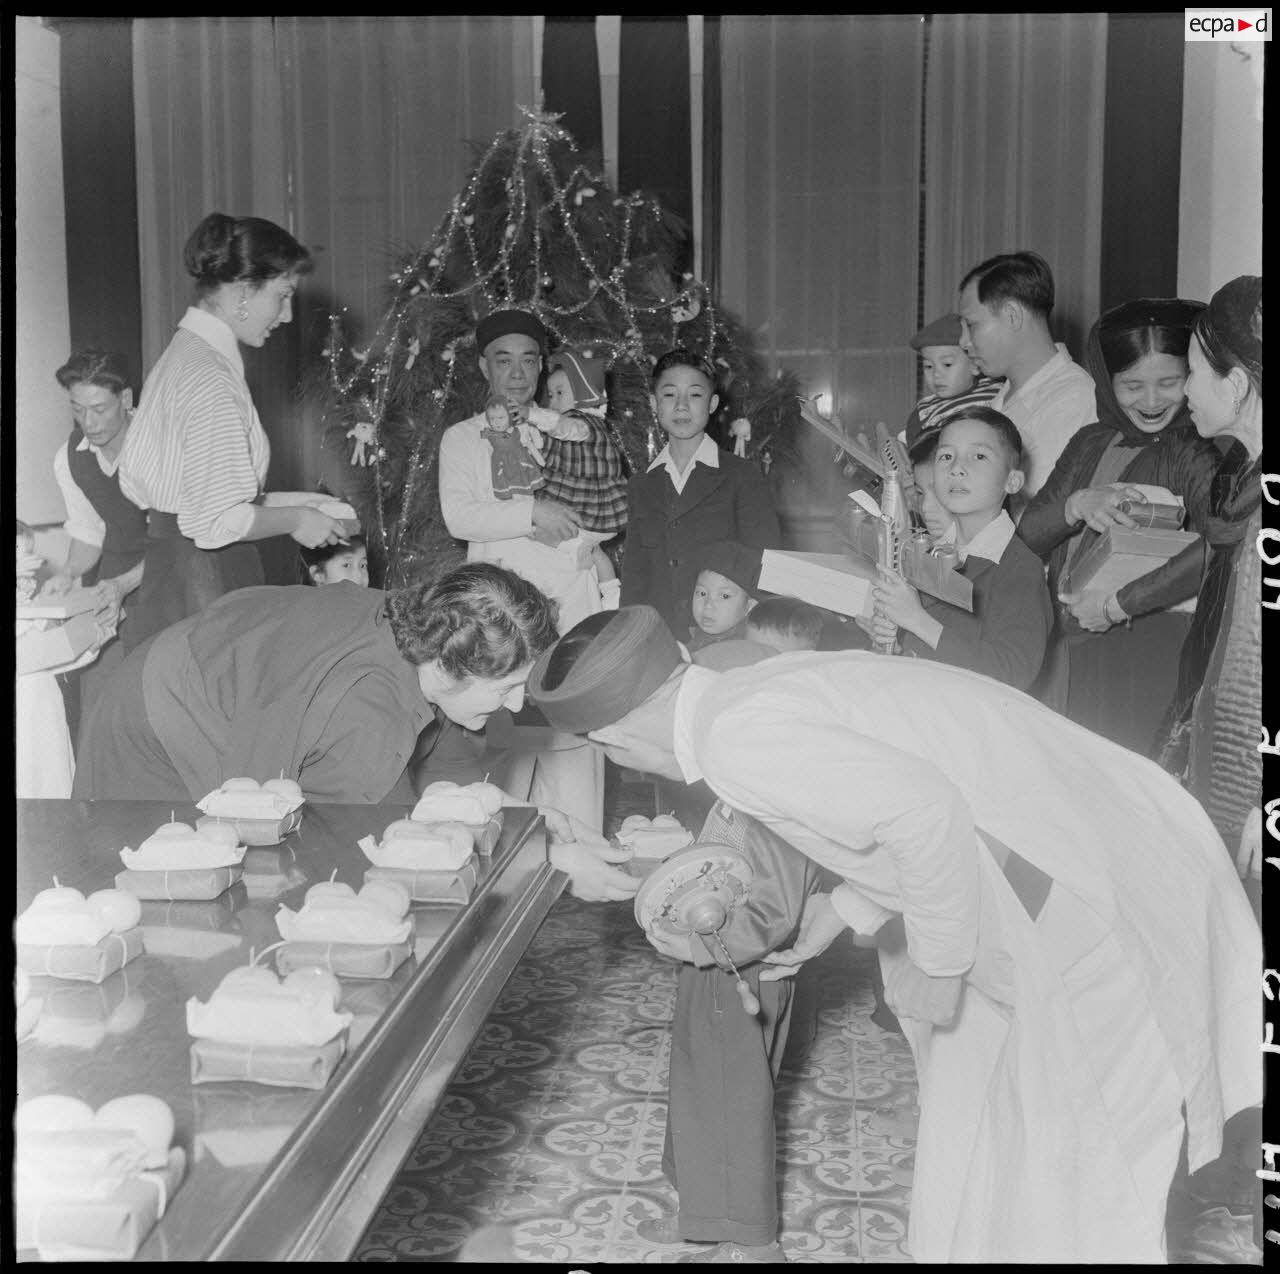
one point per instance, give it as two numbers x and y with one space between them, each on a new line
1113 658
1215 721
196 455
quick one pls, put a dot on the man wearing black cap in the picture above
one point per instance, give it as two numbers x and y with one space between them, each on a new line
522 531
1062 935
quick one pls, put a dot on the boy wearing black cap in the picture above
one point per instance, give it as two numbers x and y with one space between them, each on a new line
691 495
950 380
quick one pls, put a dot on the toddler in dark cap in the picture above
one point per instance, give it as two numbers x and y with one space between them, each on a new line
950 380
724 594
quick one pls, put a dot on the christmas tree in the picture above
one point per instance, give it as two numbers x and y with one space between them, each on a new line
533 228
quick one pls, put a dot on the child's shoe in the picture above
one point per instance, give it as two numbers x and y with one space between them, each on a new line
737 1254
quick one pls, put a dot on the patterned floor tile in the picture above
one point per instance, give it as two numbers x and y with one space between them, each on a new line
547 1147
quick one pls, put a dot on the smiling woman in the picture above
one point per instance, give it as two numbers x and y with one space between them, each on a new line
196 456
1113 663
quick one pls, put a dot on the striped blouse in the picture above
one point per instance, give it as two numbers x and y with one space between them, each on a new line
196 447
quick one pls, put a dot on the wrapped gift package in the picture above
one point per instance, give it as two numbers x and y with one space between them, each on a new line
93 963
75 601
1121 556
110 1228
431 886
346 959
277 1065
193 884
830 580
259 831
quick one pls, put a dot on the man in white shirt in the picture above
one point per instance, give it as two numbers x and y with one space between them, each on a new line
522 533
1005 304
1062 933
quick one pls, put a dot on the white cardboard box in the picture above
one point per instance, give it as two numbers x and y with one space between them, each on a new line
830 580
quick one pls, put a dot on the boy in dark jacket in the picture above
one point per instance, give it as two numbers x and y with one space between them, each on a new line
977 465
691 495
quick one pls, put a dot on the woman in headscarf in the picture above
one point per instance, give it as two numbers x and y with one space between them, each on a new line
1114 657
1217 710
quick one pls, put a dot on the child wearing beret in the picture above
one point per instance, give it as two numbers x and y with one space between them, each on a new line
950 380
724 593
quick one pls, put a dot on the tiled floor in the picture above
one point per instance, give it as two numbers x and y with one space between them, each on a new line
547 1146
554 1125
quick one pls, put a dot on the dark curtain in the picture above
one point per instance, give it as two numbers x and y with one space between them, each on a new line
571 80
654 123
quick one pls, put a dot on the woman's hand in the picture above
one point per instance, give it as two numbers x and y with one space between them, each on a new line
911 992
313 528
820 926
1099 507
592 876
1089 609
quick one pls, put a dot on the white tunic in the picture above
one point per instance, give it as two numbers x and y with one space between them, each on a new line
499 530
1050 1109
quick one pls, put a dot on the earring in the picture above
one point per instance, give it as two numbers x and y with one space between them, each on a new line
242 310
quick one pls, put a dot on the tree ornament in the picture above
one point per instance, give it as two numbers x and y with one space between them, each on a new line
363 433
740 432
686 308
415 348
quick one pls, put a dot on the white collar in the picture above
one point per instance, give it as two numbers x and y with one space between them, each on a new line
213 331
707 453
990 543
1060 358
693 685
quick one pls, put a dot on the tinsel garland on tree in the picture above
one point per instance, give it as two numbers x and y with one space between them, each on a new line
532 228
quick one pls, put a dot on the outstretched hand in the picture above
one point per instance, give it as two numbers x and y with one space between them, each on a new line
590 867
820 926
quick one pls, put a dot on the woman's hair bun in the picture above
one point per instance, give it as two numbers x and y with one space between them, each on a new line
208 251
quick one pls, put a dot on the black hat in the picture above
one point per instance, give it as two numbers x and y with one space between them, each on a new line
508 323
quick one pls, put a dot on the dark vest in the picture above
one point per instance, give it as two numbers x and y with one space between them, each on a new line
126 536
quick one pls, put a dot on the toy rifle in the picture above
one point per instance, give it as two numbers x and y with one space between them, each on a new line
888 539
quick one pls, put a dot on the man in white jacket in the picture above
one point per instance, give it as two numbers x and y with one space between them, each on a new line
1061 930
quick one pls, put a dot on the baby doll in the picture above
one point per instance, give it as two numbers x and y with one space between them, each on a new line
517 455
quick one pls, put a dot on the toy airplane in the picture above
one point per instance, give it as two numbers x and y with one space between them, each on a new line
888 539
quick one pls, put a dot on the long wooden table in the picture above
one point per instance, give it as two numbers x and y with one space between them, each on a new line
273 1174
